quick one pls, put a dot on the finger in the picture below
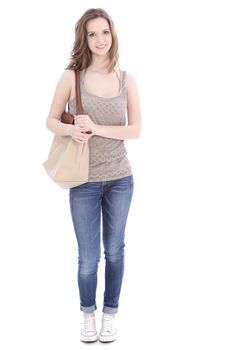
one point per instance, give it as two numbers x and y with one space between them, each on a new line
80 140
83 137
80 121
83 140
80 116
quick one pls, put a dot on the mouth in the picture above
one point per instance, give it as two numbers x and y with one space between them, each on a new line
100 47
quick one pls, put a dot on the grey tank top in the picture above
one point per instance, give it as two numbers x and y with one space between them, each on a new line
108 157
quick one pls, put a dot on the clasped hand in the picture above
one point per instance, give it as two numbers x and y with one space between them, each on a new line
83 129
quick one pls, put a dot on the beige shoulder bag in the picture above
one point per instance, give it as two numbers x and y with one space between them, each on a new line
68 161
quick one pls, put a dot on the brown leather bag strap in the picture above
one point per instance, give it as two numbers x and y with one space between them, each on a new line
79 109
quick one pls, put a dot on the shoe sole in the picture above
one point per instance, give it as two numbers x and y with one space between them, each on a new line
92 339
109 339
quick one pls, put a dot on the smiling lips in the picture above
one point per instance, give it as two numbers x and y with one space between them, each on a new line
100 46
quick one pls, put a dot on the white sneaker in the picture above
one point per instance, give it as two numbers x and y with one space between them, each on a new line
108 331
88 333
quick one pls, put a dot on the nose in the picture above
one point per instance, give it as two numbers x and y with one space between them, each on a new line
100 39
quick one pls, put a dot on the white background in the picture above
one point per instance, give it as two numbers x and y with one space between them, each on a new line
177 291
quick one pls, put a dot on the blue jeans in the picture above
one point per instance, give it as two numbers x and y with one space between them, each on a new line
87 202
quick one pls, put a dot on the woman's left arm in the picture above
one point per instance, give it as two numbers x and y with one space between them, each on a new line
133 128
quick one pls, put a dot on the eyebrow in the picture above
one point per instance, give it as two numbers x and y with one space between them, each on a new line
92 31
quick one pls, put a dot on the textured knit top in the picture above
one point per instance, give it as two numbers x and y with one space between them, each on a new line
107 157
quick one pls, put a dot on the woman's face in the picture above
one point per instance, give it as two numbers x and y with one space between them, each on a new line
99 36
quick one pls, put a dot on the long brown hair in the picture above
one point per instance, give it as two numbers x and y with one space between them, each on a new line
80 56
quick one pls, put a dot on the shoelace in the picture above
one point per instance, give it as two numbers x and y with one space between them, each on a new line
89 324
107 323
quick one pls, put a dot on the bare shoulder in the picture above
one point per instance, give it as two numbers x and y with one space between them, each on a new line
67 76
65 84
130 82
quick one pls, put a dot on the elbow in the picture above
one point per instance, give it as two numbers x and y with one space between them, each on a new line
137 132
47 124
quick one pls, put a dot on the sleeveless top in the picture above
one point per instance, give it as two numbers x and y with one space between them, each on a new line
107 157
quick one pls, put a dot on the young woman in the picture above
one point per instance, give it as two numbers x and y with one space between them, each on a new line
112 113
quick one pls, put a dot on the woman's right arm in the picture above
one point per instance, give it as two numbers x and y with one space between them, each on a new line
60 99
61 96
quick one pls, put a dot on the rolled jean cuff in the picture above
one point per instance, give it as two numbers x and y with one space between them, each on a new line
88 308
109 310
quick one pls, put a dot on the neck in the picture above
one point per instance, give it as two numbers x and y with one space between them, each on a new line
99 64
